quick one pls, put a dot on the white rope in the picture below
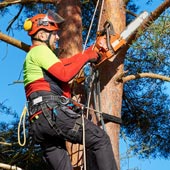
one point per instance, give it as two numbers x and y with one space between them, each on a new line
22 120
84 143
101 10
84 148
90 26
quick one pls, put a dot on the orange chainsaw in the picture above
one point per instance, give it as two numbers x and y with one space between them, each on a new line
108 43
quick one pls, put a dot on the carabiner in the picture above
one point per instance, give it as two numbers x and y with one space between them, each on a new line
64 100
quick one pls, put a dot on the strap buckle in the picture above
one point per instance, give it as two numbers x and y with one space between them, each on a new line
37 100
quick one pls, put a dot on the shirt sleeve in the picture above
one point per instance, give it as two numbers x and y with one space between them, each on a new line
64 69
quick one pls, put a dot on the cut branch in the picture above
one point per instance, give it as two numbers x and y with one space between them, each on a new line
141 75
4 143
14 42
9 167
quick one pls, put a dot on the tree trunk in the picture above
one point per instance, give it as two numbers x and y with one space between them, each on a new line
71 34
70 44
111 92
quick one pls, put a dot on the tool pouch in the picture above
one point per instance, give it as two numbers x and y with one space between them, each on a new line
70 113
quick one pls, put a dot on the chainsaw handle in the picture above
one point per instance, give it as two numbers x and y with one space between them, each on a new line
102 48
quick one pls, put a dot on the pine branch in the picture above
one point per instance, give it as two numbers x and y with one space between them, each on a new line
4 143
123 79
14 19
153 16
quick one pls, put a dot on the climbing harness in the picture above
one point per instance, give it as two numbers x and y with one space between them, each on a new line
49 103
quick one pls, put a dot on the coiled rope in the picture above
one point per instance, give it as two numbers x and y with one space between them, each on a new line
22 120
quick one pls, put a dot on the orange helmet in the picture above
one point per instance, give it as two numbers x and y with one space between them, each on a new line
47 21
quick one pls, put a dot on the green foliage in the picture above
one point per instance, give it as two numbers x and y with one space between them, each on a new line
146 108
6 110
28 157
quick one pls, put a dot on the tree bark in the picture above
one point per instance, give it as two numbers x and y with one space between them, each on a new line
71 34
111 92
70 44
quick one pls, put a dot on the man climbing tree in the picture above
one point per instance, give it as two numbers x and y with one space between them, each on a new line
111 90
53 116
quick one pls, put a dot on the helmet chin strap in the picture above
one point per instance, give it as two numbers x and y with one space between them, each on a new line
47 42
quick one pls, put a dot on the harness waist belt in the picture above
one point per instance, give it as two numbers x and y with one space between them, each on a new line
59 99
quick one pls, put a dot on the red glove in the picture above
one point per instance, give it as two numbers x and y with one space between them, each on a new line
102 49
93 55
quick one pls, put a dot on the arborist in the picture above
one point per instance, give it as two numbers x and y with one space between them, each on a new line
46 79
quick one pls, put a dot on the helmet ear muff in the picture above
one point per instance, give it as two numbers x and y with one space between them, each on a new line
28 24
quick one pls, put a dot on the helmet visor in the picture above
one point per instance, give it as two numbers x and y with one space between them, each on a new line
53 17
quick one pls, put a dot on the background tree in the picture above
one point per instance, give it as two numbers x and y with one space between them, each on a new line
143 113
145 110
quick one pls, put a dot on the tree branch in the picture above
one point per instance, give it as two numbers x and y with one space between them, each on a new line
9 167
153 16
14 42
123 79
13 20
4 143
131 13
7 3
